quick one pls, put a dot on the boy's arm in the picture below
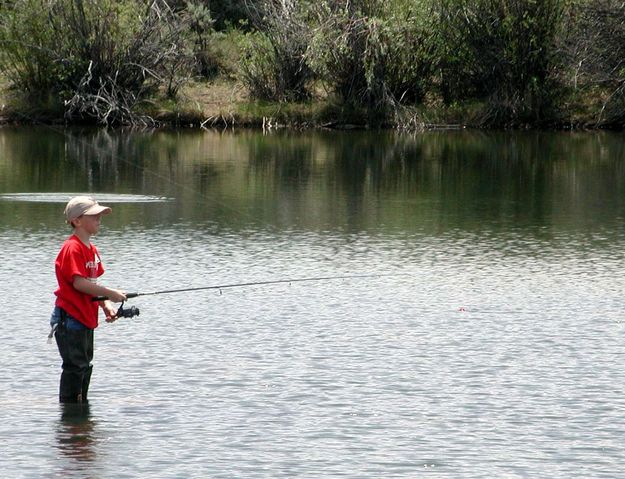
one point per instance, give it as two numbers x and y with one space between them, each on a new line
87 287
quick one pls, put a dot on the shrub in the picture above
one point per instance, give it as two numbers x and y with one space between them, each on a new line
371 52
207 62
272 65
98 57
593 44
501 50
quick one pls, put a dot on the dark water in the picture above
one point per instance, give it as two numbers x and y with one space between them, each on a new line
497 350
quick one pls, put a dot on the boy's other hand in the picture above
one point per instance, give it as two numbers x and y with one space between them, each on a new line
109 311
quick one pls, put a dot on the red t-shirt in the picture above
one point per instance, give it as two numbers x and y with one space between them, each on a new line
76 258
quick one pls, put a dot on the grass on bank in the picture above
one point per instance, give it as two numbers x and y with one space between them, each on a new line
224 102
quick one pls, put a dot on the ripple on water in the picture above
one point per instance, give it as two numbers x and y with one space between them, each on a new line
64 197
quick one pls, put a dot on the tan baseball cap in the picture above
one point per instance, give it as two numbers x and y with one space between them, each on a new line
84 205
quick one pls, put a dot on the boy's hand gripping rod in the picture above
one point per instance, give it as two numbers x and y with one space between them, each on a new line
238 285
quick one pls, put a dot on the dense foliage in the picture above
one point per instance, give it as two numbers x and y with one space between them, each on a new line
504 51
100 58
523 62
273 65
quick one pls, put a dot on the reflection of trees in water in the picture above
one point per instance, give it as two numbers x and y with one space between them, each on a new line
284 159
468 178
107 157
314 178
463 178
75 434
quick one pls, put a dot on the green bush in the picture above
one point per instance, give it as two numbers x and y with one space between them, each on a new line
273 65
593 45
97 57
503 51
372 53
207 62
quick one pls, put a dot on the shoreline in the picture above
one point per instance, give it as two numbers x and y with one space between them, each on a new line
223 104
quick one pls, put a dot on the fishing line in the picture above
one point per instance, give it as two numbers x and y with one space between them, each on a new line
68 137
251 283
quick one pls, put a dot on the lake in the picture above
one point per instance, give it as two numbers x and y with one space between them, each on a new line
489 341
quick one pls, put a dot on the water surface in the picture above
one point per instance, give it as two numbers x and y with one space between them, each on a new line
496 351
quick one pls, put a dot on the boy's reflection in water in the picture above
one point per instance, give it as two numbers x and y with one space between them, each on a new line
75 432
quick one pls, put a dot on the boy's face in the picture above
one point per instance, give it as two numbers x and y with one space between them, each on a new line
89 223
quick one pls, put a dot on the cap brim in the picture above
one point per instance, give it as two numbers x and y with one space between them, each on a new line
97 209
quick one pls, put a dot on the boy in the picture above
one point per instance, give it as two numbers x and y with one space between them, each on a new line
75 315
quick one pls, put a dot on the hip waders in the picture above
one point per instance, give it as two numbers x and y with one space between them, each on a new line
76 349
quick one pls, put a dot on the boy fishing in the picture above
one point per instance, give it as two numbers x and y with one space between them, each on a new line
75 315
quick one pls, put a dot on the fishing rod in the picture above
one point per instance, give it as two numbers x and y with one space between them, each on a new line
134 311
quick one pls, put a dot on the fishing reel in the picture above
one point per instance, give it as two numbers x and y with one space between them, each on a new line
130 312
